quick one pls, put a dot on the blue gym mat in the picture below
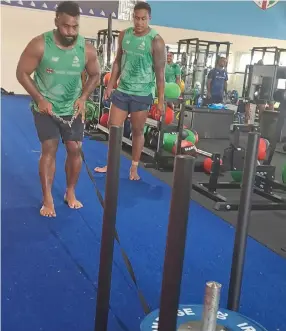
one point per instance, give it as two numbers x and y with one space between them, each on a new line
50 266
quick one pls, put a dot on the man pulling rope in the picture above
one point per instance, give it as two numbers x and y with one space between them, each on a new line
57 58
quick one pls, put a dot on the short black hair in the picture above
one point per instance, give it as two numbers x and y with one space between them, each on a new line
70 8
143 5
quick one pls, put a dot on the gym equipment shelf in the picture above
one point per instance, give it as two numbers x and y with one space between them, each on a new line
161 158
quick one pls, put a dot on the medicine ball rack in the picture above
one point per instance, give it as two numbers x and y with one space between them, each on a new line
233 160
161 159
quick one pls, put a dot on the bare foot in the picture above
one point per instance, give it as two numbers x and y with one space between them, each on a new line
133 174
48 209
71 200
101 169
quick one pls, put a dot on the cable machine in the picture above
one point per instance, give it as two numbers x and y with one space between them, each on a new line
197 58
249 68
107 40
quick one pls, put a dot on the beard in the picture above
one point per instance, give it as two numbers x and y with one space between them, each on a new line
66 41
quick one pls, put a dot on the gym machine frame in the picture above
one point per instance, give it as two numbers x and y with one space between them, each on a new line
108 35
198 44
233 161
249 68
263 85
264 50
105 35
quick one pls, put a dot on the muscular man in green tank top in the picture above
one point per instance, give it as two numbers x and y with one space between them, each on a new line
140 65
57 59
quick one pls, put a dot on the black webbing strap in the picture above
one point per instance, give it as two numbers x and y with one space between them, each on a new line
127 262
85 273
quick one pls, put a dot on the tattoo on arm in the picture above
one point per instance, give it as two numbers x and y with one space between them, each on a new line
93 71
159 59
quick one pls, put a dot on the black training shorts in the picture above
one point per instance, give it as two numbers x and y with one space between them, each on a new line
131 103
49 127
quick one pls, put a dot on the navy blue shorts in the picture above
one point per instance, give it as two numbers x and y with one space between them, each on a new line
131 103
50 128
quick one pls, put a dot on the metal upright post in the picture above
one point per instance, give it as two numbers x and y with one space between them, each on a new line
109 40
211 305
175 245
243 218
108 228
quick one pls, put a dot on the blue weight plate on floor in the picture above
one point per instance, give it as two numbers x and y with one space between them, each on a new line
186 313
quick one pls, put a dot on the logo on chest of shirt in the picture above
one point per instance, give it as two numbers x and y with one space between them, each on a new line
50 71
142 46
75 62
220 75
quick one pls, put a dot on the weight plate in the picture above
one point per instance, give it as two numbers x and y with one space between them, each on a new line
227 319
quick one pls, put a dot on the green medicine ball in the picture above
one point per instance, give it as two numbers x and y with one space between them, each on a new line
172 91
284 174
236 175
191 137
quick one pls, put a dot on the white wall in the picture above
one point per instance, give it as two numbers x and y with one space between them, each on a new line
20 25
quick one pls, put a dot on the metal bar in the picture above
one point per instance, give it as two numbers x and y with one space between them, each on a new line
109 39
233 205
204 153
162 125
249 173
252 55
215 172
175 245
202 188
211 305
108 228
227 54
180 129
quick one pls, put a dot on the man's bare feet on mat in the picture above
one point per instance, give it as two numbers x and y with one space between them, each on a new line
133 174
48 209
71 200
101 169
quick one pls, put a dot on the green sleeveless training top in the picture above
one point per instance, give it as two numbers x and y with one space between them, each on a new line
58 76
137 70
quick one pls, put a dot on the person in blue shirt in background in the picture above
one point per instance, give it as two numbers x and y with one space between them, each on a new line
217 82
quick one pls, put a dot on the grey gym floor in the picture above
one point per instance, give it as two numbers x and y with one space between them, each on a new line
267 227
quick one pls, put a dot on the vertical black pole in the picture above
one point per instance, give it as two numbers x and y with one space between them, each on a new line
109 40
227 54
243 218
277 134
252 56
108 228
175 245
180 129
